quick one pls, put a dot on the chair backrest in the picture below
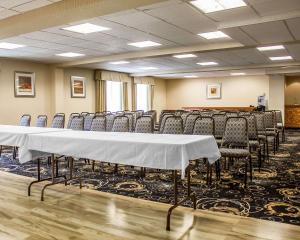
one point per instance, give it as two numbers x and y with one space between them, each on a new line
58 120
173 125
184 116
77 123
84 114
232 114
88 118
189 123
144 124
163 120
109 121
206 113
71 118
131 121
98 123
236 132
252 126
153 114
204 126
278 117
220 121
25 120
260 121
244 113
41 121
121 124
270 119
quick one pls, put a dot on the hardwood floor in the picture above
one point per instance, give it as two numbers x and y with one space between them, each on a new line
70 213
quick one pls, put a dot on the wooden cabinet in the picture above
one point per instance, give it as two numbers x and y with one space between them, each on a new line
292 116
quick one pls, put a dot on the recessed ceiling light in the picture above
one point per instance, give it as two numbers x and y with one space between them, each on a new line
238 74
184 56
207 63
270 48
148 68
208 6
281 58
86 28
144 44
6 45
119 62
213 35
70 54
190 76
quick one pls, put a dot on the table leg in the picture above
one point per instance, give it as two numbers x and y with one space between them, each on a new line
190 196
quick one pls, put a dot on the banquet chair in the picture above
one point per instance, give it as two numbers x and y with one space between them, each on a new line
189 123
77 123
25 120
153 114
58 120
220 121
120 124
261 131
163 120
144 124
84 114
172 125
41 121
271 128
88 118
235 143
109 121
131 121
254 142
231 114
280 124
185 115
71 118
206 113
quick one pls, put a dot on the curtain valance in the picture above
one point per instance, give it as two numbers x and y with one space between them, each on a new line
112 76
144 80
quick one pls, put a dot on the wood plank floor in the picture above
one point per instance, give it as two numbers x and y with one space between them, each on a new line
73 214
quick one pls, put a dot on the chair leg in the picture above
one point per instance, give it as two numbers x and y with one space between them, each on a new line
93 165
116 168
246 170
259 158
267 143
283 134
250 167
274 145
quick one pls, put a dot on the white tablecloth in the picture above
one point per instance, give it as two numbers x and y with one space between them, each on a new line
161 151
17 136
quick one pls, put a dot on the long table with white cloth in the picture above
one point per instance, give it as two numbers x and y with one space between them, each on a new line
158 151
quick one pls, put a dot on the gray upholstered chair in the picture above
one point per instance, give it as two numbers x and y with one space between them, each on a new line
98 123
162 120
280 124
144 124
172 125
58 120
121 124
261 130
72 115
77 123
88 118
206 113
220 121
131 121
231 114
41 121
235 142
109 121
184 116
189 123
204 126
271 129
25 120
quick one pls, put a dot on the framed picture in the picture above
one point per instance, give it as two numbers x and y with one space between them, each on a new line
77 87
24 84
213 91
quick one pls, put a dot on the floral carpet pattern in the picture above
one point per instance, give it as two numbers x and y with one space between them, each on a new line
274 193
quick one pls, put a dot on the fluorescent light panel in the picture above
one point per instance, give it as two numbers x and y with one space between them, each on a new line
238 74
70 54
207 63
144 44
281 58
213 35
86 28
119 62
208 6
270 48
184 56
6 45
148 68
190 76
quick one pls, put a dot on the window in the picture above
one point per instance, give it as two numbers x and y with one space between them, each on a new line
113 96
142 97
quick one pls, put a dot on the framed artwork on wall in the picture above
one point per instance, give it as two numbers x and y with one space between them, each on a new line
213 91
77 87
24 84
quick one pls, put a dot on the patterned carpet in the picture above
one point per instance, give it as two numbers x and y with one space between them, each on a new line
273 195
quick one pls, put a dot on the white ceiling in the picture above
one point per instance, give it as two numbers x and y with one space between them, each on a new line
10 8
174 23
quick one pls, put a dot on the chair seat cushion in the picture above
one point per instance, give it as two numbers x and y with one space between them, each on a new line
254 143
234 152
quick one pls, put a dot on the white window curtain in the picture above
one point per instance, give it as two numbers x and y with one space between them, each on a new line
144 93
114 96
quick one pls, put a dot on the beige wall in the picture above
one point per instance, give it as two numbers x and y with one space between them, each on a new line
11 108
160 95
292 90
236 91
